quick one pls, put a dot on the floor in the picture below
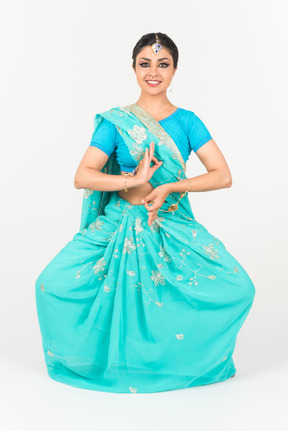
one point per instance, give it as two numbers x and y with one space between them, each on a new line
252 400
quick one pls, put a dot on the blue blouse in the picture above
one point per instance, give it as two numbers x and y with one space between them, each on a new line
185 128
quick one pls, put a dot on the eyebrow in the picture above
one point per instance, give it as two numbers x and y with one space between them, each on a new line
149 59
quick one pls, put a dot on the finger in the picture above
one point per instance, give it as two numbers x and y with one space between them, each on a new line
151 149
149 219
148 207
149 203
157 165
146 199
146 157
155 159
154 216
152 207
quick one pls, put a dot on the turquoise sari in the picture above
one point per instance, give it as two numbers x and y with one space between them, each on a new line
127 307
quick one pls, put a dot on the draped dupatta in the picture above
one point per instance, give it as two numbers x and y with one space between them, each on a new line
138 129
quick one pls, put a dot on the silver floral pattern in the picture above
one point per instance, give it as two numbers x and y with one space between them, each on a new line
163 253
138 226
138 134
96 225
128 246
87 193
99 266
211 251
157 277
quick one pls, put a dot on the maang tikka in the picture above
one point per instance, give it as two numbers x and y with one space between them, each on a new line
156 47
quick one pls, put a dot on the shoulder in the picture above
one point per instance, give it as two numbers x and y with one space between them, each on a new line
189 115
103 128
103 123
193 120
197 132
188 118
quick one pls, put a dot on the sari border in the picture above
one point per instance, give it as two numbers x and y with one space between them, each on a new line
155 127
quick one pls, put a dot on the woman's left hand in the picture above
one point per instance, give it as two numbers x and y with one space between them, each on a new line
157 196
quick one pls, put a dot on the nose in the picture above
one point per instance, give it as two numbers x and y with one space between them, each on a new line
153 76
154 71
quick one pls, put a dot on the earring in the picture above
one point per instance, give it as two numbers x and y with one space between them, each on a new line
171 85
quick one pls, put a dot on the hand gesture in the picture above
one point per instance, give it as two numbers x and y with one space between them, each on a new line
145 171
157 197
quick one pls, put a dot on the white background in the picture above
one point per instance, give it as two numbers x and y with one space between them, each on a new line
61 63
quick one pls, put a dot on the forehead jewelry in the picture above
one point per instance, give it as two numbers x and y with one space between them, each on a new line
156 46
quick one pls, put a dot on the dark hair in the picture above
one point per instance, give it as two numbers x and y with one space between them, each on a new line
150 38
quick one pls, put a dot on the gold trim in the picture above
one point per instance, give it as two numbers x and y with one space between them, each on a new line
155 127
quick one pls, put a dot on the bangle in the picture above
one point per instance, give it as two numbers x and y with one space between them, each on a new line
125 180
174 207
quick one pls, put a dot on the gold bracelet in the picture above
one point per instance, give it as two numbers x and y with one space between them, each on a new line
125 180
174 207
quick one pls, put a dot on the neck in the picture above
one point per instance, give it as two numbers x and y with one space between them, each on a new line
155 105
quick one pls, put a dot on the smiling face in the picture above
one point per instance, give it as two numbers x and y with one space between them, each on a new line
156 67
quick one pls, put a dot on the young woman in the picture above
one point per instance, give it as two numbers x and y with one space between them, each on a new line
144 298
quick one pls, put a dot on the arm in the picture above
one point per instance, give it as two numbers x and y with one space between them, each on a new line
88 175
218 174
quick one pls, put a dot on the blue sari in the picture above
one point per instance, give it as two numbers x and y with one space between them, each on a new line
126 307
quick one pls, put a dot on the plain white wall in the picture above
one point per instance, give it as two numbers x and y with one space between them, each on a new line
64 61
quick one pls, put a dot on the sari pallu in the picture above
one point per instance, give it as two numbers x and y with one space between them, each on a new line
127 307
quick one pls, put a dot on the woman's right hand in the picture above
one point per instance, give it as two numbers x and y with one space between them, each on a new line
145 171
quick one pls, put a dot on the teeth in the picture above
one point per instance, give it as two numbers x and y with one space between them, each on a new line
154 82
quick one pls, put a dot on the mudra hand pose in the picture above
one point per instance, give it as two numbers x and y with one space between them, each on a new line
143 298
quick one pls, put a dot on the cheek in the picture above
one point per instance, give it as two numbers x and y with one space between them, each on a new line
141 79
166 74
141 74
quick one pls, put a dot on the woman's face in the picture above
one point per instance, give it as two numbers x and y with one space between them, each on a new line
156 67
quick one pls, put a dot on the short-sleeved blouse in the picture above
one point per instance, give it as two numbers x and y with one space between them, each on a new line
185 128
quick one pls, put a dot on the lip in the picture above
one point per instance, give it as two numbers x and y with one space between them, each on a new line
152 85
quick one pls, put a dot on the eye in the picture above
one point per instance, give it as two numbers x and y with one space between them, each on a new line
161 64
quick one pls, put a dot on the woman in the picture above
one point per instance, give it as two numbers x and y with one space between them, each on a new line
144 298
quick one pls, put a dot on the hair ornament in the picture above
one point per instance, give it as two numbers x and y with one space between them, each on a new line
156 46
